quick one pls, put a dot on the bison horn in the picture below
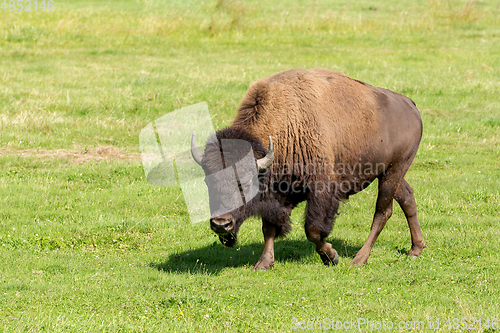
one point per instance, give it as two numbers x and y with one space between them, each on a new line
197 154
266 161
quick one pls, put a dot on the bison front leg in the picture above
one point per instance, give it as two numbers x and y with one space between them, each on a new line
325 250
266 260
320 213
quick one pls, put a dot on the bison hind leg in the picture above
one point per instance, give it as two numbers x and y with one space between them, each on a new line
392 186
404 196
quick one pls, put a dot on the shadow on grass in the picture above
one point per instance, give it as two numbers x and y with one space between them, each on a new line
213 258
401 251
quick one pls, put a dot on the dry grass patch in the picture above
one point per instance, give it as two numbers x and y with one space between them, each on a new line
76 155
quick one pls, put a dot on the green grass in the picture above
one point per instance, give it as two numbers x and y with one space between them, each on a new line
92 246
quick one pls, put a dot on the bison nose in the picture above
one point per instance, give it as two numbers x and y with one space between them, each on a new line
222 225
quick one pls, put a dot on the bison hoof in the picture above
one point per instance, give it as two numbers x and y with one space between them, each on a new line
416 251
359 261
263 265
228 240
328 254
330 259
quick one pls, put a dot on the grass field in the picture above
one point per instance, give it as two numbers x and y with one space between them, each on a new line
86 244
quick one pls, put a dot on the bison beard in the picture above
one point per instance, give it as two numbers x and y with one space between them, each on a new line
316 118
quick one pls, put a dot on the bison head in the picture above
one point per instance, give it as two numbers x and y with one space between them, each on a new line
232 165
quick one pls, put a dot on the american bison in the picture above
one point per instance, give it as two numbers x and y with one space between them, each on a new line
329 136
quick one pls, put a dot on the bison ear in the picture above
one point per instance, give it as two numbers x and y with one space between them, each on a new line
197 154
266 161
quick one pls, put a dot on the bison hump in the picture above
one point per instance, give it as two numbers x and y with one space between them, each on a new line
253 103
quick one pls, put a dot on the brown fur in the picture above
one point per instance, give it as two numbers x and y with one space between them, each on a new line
315 115
308 105
320 117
